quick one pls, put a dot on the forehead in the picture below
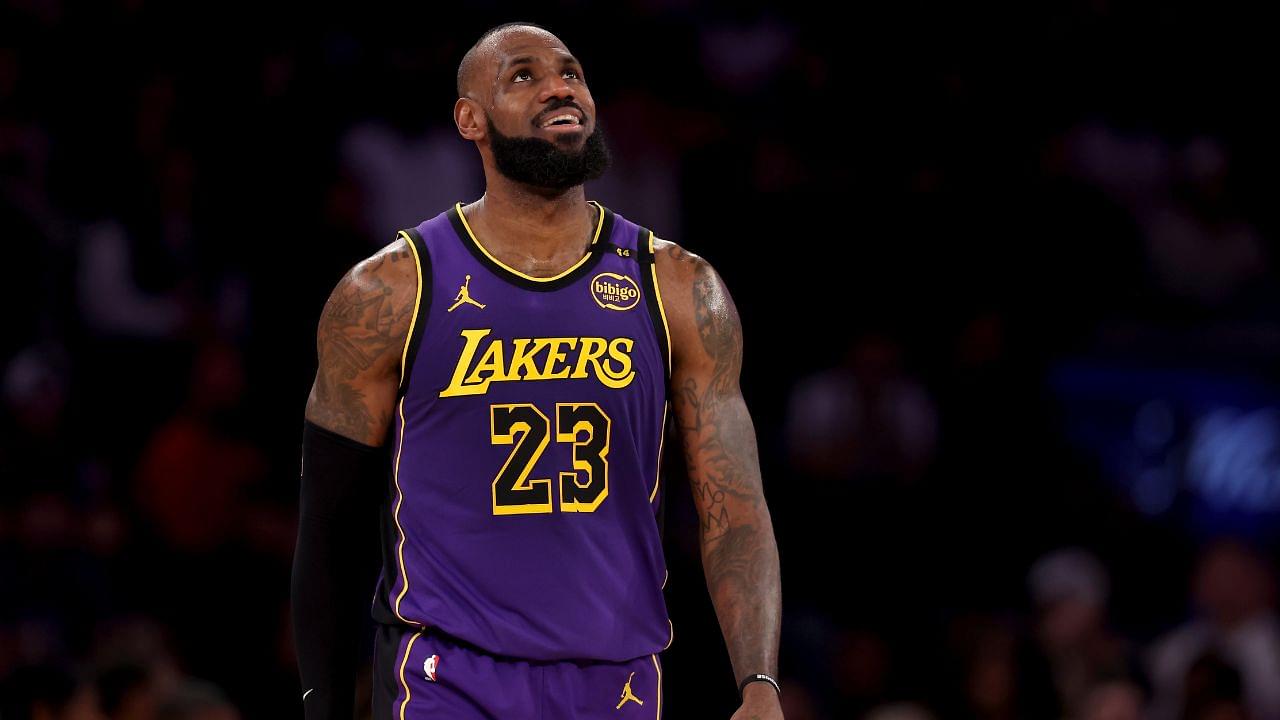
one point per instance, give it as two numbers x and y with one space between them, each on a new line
527 48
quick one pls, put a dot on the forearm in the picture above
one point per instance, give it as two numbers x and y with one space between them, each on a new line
334 564
325 603
741 566
739 551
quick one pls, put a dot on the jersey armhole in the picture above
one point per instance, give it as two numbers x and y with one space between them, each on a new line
421 307
653 298
653 301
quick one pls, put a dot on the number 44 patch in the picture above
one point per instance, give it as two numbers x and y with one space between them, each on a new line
429 667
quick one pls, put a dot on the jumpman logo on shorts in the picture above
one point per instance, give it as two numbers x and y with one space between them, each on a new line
464 297
627 694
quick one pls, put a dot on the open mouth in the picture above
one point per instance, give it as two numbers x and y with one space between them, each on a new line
562 122
562 129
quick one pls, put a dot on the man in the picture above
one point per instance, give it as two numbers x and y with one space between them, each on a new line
514 361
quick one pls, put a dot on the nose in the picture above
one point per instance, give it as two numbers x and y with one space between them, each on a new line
556 88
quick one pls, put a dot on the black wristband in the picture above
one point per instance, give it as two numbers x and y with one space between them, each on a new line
758 676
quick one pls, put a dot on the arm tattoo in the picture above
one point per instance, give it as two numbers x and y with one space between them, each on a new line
739 552
720 443
361 332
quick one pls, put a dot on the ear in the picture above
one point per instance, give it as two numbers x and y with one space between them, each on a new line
469 117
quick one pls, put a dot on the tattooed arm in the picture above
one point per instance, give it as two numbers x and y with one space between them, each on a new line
359 343
344 461
739 553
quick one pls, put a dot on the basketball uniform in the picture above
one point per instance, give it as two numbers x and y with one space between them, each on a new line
523 569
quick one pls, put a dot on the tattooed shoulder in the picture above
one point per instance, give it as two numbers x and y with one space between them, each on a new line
698 304
359 340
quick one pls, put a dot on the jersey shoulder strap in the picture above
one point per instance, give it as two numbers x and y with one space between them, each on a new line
648 271
653 293
421 305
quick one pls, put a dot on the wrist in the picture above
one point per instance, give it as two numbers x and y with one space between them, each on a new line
759 686
759 692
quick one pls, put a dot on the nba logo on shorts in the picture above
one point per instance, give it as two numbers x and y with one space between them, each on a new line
429 667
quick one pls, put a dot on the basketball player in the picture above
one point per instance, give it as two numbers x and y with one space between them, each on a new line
494 386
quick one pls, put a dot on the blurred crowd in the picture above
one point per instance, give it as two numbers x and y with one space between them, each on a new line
917 240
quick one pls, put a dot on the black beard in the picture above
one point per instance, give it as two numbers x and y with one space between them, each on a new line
541 163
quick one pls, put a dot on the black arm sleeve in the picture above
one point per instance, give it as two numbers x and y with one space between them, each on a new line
335 564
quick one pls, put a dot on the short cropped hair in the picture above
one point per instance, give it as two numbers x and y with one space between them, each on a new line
469 60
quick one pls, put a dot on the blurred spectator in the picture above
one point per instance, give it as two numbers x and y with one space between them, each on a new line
127 645
1213 691
860 669
47 692
137 277
196 700
1112 700
1234 594
999 676
112 303
1199 244
897 711
193 472
398 169
798 701
35 393
741 57
866 418
126 691
1070 590
644 183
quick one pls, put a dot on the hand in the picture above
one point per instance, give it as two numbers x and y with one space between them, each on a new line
759 702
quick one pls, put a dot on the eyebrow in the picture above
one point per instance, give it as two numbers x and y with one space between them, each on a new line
529 59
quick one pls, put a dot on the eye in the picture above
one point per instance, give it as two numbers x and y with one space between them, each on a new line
518 73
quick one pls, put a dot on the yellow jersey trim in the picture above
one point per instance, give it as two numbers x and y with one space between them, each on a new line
417 302
408 648
662 435
658 292
658 666
404 573
471 234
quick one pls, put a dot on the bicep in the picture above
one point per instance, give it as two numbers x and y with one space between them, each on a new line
359 346
715 425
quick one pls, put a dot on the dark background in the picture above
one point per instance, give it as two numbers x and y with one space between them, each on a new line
1006 277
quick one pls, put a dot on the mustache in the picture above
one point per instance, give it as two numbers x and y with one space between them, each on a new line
552 109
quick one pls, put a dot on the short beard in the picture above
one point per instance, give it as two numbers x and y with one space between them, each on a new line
541 163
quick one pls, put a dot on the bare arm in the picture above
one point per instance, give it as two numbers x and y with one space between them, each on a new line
360 342
739 553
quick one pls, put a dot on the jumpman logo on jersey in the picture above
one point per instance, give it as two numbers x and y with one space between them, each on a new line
464 297
627 694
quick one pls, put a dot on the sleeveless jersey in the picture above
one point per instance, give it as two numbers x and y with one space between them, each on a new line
525 509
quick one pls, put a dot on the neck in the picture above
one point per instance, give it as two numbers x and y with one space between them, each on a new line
538 234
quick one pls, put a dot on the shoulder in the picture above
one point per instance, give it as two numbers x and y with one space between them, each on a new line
360 342
371 306
700 311
675 264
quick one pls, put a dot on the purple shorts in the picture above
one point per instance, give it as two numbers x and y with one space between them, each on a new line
424 674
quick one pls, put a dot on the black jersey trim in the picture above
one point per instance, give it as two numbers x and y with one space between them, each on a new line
421 310
599 242
653 301
653 298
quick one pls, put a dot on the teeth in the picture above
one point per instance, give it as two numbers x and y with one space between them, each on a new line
552 121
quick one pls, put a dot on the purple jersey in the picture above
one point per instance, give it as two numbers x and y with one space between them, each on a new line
524 507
